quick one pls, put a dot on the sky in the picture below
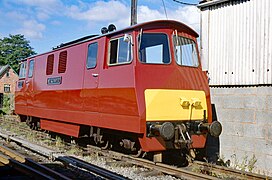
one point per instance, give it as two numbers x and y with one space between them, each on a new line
48 23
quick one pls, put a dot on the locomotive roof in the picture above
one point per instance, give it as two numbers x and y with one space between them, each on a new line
145 26
158 24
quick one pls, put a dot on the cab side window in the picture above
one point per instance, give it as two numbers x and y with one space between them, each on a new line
31 68
22 73
92 55
120 51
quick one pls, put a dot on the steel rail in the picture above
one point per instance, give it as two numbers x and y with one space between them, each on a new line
166 169
24 169
178 172
69 160
44 169
27 166
91 167
229 171
27 170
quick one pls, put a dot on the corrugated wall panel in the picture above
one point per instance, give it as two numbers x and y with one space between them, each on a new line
236 40
269 62
205 41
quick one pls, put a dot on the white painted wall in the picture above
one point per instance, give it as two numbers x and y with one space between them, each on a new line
236 41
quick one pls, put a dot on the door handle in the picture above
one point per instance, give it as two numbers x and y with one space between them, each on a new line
27 82
95 74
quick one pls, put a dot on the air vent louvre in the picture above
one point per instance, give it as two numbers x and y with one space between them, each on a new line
50 64
62 62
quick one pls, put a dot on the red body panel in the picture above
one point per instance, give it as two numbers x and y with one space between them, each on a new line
114 99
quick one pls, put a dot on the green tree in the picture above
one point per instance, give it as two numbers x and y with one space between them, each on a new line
13 49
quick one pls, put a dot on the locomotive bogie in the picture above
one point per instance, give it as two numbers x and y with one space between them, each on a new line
132 84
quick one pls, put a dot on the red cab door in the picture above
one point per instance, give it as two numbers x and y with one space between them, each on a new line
29 83
91 78
20 91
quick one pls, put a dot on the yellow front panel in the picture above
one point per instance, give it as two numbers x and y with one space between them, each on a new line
172 105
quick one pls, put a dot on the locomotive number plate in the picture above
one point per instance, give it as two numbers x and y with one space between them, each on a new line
54 81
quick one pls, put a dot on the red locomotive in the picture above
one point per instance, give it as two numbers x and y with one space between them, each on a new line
141 88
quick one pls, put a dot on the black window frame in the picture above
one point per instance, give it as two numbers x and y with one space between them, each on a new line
140 44
7 88
109 52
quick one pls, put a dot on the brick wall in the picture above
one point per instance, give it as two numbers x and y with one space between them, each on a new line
11 80
246 117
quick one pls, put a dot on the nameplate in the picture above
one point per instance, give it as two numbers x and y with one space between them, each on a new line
54 81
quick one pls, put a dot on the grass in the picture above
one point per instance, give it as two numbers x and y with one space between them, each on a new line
59 142
74 150
247 163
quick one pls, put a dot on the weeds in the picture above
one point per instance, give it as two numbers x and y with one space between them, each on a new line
247 163
222 162
59 142
251 163
74 150
6 104
30 136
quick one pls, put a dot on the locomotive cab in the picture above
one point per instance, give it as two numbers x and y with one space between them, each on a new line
173 92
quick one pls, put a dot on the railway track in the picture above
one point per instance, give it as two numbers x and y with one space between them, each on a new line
75 162
72 161
208 168
207 171
211 171
36 170
160 167
27 167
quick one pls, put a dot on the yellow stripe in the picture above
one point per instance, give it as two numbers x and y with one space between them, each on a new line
172 105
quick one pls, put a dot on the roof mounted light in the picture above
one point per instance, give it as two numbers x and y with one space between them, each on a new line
104 30
111 27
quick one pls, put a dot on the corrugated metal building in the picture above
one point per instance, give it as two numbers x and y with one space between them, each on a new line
236 41
236 49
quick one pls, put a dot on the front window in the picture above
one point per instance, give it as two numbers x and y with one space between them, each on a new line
31 67
154 48
120 51
22 73
185 51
